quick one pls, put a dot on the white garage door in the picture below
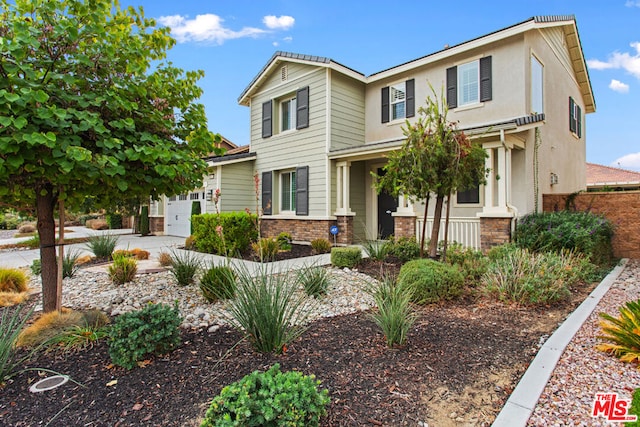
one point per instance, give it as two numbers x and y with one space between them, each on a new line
178 213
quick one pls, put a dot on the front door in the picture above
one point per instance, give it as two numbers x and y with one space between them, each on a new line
387 204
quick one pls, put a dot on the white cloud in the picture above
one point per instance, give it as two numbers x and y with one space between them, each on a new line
630 62
632 3
205 28
629 161
283 22
618 86
288 39
275 44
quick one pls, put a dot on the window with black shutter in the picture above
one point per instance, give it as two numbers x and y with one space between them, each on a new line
469 83
267 114
302 112
267 191
302 190
485 79
398 101
575 118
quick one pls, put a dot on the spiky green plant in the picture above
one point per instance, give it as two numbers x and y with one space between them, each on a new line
377 249
395 315
185 266
315 280
13 280
12 322
622 333
102 245
123 269
218 282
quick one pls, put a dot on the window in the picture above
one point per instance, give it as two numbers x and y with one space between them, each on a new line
469 83
288 114
293 111
398 101
537 71
182 197
294 196
575 118
288 191
469 197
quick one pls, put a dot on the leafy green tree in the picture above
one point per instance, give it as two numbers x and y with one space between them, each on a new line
436 159
89 106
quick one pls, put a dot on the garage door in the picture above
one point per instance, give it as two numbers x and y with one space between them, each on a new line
178 214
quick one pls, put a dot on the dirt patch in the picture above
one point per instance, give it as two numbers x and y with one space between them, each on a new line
461 362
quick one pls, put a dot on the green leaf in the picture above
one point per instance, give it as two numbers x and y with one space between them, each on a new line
41 96
11 97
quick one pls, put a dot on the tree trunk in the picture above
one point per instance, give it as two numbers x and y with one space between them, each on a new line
446 229
60 254
45 205
437 217
424 225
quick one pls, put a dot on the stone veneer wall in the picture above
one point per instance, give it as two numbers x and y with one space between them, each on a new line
620 207
404 226
156 224
494 232
306 230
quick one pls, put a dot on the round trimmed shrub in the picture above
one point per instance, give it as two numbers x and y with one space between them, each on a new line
13 280
431 281
271 398
346 257
218 283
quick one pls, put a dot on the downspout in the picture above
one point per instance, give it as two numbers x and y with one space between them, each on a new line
511 207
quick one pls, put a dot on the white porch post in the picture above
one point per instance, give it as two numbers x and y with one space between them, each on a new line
343 170
404 205
491 178
502 182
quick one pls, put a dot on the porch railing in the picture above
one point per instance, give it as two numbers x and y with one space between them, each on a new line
465 231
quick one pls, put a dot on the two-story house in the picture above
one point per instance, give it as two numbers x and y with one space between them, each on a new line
319 128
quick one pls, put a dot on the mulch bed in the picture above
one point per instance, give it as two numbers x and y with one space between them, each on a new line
453 348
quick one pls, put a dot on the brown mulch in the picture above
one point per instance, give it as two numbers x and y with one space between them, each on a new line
460 363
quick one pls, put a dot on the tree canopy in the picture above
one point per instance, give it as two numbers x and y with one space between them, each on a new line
436 159
90 106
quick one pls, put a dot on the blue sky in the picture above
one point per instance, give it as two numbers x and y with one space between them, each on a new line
232 40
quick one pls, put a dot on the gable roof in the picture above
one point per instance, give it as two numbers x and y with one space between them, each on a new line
567 22
600 175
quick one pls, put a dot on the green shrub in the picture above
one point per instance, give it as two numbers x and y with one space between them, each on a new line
82 219
152 330
36 267
196 209
218 282
405 249
33 242
123 269
284 241
267 308
320 246
9 221
237 231
431 281
622 333
530 278
346 257
13 280
12 322
634 409
315 280
377 249
70 263
394 315
266 249
272 398
143 224
472 263
102 245
114 221
582 232
184 267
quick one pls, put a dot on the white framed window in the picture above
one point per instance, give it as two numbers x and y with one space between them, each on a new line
288 191
468 83
398 95
288 114
537 95
469 197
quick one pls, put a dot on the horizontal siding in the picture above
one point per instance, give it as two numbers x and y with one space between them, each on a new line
347 112
304 147
237 187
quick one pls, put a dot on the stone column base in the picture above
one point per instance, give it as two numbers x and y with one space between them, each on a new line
494 231
404 226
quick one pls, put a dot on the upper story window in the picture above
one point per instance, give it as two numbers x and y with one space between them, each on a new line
290 112
398 101
575 118
537 72
469 83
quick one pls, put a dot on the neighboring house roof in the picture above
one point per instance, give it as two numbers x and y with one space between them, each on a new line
235 155
224 143
607 176
568 22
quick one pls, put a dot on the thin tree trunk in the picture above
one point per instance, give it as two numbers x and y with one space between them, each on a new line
45 205
60 254
424 225
446 229
437 217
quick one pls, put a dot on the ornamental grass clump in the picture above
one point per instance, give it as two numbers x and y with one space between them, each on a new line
266 249
271 398
315 280
102 245
394 315
320 246
267 308
123 269
622 333
184 267
13 280
377 249
12 322
218 283
153 330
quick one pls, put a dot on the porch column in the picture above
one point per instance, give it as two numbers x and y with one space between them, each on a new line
502 182
343 182
491 178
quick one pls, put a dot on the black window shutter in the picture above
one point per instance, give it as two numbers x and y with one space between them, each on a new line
302 109
410 87
385 104
452 87
572 117
267 108
579 121
267 190
302 190
485 79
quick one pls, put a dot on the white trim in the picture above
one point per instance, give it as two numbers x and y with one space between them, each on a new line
230 162
327 161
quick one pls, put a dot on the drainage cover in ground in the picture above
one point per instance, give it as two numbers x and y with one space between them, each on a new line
48 383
